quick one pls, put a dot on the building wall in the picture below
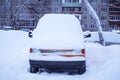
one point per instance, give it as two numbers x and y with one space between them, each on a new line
102 9
56 6
114 14
28 12
65 7
107 10
72 7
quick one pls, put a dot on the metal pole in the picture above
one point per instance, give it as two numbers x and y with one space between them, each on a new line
97 21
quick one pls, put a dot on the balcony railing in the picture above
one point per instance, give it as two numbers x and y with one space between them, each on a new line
71 4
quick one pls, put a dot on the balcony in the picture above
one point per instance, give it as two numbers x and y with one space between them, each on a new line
71 4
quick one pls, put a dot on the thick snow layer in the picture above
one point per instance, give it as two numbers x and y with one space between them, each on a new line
54 58
58 31
57 24
58 42
102 61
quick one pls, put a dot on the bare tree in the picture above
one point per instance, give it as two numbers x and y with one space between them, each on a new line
35 6
12 4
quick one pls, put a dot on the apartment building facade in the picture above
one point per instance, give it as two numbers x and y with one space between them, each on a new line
26 18
114 14
105 9
56 6
67 7
102 9
52 6
72 7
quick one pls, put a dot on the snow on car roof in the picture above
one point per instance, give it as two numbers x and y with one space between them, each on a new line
58 23
58 31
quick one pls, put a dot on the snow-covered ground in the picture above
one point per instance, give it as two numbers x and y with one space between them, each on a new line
103 62
111 37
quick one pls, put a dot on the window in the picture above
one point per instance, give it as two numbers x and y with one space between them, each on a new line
114 9
76 9
114 1
103 18
27 24
93 26
85 25
71 1
75 1
115 17
95 9
104 9
56 1
84 9
104 25
56 9
67 10
84 17
93 1
103 1
67 1
114 26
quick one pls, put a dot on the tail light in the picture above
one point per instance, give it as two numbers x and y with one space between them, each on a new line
34 50
66 52
31 50
83 52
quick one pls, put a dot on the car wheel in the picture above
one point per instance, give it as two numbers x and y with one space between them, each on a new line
81 70
71 73
33 69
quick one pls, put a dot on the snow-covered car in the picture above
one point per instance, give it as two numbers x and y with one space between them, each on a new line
58 44
7 28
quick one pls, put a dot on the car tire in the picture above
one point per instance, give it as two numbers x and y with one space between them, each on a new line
81 70
33 70
71 73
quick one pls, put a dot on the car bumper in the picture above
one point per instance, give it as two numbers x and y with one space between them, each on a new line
62 65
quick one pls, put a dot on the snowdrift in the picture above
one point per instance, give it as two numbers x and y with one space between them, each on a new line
102 61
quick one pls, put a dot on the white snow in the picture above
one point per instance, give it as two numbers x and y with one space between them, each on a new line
116 31
59 24
54 58
103 62
58 31
57 42
108 37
